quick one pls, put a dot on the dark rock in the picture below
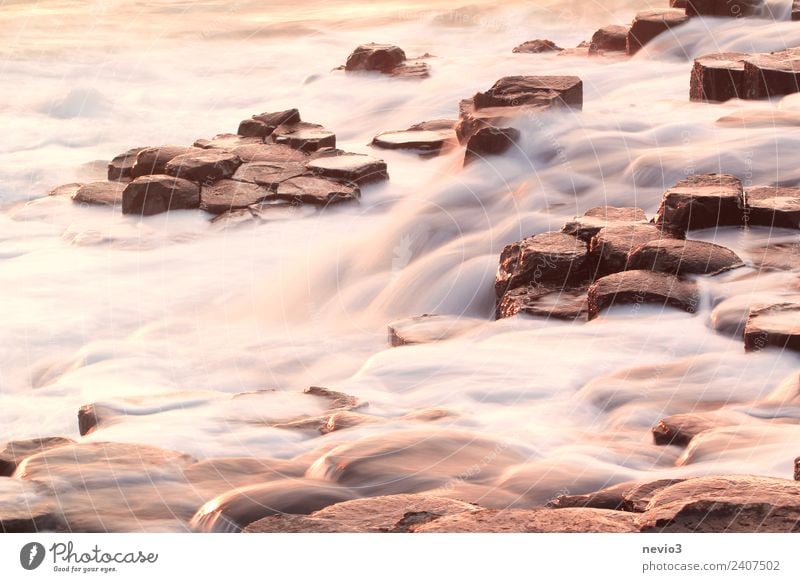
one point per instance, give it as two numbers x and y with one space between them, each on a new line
228 195
537 46
264 124
632 496
640 287
610 248
594 219
730 504
773 206
683 257
612 38
238 508
567 304
678 3
226 141
15 451
680 429
718 77
269 174
312 190
100 193
428 136
205 166
729 8
473 119
375 57
356 168
702 201
651 23
150 195
772 74
797 460
254 128
154 160
27 507
796 10
121 167
773 326
92 416
514 91
490 141
539 520
269 152
549 259
66 189
306 137
426 329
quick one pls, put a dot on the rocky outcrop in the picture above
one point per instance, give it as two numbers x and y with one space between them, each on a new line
612 38
724 8
100 193
204 167
651 23
356 168
121 167
154 194
593 220
773 206
684 257
14 452
631 496
226 195
702 201
611 247
639 288
773 326
539 520
153 160
264 124
537 46
313 190
306 137
718 77
489 141
387 59
429 137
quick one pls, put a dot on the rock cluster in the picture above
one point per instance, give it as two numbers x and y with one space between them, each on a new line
724 76
387 59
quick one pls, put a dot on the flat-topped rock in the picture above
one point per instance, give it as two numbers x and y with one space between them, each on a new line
610 248
773 206
121 167
594 219
100 193
567 304
226 195
14 452
428 136
642 287
728 8
490 141
772 74
269 174
773 326
548 259
702 201
357 168
154 194
382 58
27 507
473 119
226 141
632 496
683 257
66 189
264 124
269 152
651 23
314 190
532 90
680 429
718 77
612 38
735 503
537 46
154 160
306 137
205 166
428 328
539 520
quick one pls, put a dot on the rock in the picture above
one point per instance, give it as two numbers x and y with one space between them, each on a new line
754 118
678 3
375 57
632 496
490 141
219 475
702 201
328 423
337 400
411 70
429 136
66 189
537 46
796 10
772 74
612 38
356 168
610 248
227 141
269 152
773 326
92 416
548 302
286 523
306 137
427 328
269 174
150 195
154 160
730 504
551 259
312 190
228 195
773 206
651 23
27 507
680 429
797 460
729 8
539 520
264 124
473 119
514 91
684 257
781 256
238 508
594 219
718 77
15 451
640 287
121 167
205 166
100 193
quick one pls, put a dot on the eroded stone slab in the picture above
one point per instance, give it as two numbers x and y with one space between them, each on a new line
773 326
702 201
642 287
684 257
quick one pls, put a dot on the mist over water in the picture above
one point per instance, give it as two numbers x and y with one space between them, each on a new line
164 319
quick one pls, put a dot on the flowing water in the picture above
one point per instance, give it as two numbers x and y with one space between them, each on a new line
166 318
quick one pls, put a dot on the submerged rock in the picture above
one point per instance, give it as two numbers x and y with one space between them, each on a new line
15 452
632 496
154 194
718 77
702 201
642 287
428 136
611 247
773 326
651 23
313 190
154 160
121 167
66 189
356 168
204 167
684 257
27 507
537 46
100 193
680 429
226 195
773 206
489 141
783 256
594 219
426 329
612 38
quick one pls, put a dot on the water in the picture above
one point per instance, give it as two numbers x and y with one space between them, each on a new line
167 317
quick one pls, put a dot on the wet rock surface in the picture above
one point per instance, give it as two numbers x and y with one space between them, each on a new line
773 326
537 46
204 167
680 429
387 59
154 194
27 507
306 137
269 174
642 287
226 195
120 168
489 141
683 257
773 206
629 496
153 160
611 247
226 141
428 136
356 168
14 452
783 256
612 38
100 193
593 220
264 124
427 328
651 23
270 152
702 201
567 304
313 190
718 77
